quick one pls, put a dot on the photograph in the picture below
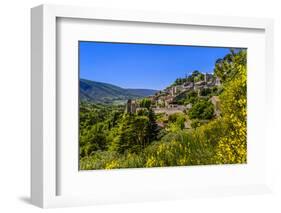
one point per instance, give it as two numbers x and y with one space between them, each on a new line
161 105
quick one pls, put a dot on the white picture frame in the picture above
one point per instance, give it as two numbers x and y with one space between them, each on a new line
44 155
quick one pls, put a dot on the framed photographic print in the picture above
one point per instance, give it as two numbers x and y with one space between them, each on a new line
151 105
129 106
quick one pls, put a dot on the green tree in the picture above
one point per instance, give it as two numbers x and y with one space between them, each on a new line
226 68
133 134
205 91
145 103
94 139
176 122
203 109
153 127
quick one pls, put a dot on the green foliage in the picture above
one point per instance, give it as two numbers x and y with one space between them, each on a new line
176 122
232 147
199 77
195 123
93 140
153 127
194 77
145 103
99 160
192 97
206 91
216 90
203 109
226 68
133 134
143 112
95 123
175 149
187 97
179 81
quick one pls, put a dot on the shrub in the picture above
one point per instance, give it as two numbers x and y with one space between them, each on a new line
203 109
232 147
205 91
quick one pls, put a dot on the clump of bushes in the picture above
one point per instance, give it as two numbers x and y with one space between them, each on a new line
203 109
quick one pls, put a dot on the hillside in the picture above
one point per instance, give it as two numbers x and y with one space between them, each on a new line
100 92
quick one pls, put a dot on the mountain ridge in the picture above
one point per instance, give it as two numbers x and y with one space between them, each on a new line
100 92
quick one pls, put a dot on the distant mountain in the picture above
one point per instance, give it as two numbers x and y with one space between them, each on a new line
100 92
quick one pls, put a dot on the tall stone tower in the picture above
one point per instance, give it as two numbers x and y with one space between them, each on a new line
128 106
174 90
131 106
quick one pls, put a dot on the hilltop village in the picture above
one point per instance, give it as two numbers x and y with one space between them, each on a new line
168 100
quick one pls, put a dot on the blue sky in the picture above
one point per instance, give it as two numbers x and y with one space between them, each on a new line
144 66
